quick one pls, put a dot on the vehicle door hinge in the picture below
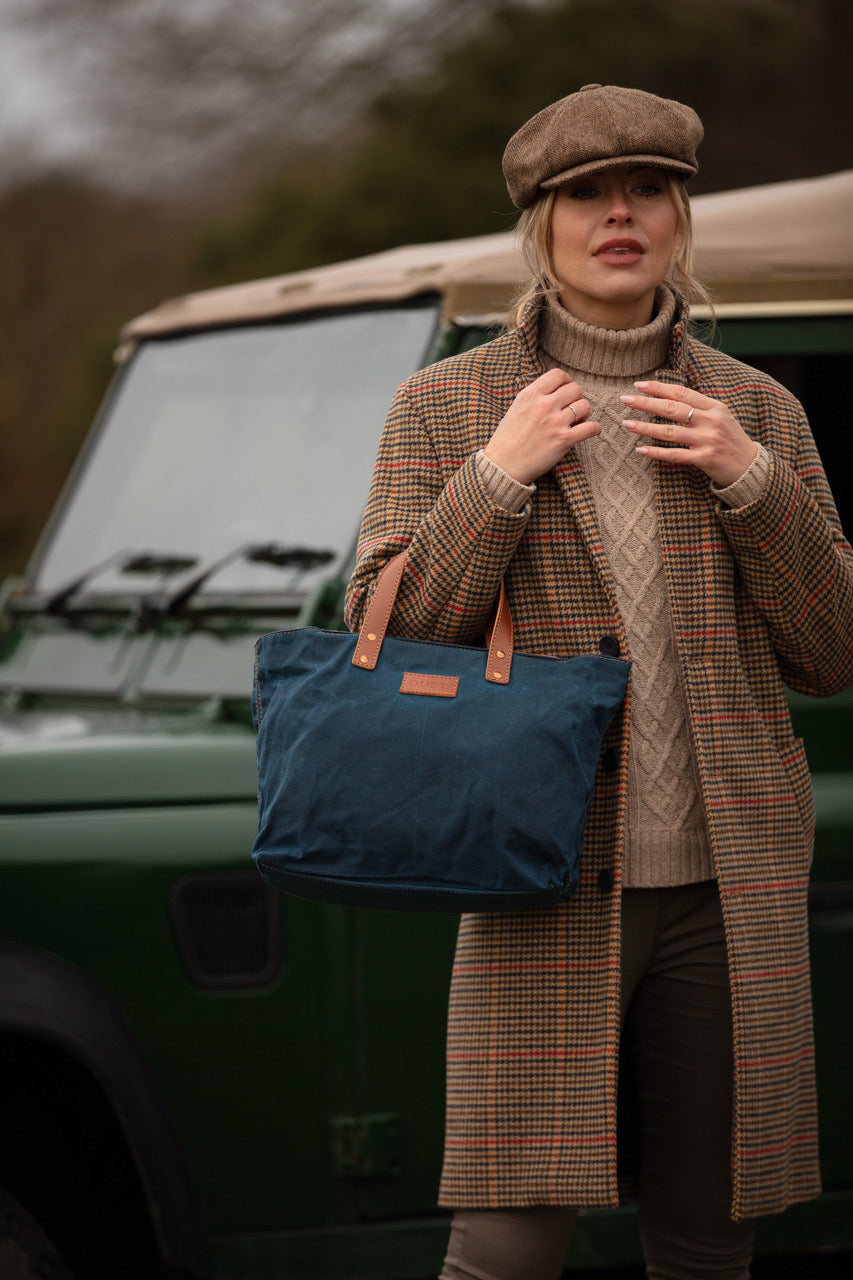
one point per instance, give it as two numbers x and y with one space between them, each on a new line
366 1146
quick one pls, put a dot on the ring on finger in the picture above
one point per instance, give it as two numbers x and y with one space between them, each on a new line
689 416
574 414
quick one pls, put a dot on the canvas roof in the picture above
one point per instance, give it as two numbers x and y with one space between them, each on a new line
786 245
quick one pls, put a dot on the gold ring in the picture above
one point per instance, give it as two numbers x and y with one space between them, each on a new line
689 416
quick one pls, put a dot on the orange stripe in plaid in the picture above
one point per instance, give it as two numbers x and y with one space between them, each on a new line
398 541
416 387
563 1140
765 886
796 1140
759 975
778 1060
604 621
505 1055
534 966
782 716
751 802
690 548
408 464
764 388
544 538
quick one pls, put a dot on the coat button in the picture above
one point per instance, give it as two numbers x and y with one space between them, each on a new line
605 880
609 646
610 759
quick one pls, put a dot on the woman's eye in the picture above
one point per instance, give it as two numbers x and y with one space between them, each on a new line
648 189
584 193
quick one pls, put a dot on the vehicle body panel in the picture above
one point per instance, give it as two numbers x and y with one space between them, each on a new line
293 1052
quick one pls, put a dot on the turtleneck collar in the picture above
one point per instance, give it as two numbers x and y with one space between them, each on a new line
608 352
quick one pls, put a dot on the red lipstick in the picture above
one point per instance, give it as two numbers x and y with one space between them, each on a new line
620 252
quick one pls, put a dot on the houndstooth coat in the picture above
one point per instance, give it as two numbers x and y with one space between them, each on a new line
760 595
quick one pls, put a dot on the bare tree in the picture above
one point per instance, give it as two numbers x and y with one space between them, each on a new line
171 95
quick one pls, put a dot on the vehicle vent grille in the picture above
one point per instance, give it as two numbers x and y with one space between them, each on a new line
228 929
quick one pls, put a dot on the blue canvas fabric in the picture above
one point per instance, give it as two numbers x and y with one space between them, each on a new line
373 797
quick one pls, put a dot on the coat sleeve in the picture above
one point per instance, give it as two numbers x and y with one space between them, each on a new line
798 568
422 497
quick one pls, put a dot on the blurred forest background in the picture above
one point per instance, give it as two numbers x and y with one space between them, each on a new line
149 147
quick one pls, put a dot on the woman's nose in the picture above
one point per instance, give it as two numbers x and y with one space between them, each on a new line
619 211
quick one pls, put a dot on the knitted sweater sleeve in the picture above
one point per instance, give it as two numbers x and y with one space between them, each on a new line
798 567
460 539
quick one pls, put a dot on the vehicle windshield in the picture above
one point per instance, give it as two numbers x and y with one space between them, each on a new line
213 441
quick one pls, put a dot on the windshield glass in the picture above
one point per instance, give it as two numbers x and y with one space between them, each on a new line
263 434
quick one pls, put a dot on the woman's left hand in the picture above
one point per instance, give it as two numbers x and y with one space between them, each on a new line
705 432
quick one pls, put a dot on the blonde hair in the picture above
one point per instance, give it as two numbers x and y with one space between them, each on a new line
534 229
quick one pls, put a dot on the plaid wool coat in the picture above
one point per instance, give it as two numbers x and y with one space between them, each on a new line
760 595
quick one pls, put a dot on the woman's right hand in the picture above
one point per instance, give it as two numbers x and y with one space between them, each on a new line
546 419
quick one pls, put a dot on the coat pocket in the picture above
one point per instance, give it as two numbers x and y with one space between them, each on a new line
796 766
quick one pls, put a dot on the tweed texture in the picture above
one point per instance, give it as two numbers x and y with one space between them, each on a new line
600 126
534 1010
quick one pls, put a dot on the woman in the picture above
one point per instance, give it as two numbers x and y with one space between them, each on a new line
642 494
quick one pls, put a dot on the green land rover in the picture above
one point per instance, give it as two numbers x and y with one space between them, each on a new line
200 1078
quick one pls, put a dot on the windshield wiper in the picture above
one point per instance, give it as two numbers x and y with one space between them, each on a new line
125 562
273 553
167 565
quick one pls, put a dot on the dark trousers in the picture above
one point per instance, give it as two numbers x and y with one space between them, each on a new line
677 1036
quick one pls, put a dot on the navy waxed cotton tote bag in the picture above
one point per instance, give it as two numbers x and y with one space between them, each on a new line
427 776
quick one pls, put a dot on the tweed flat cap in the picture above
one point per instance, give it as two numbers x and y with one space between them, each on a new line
596 128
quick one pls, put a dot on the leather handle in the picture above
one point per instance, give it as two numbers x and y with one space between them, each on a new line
372 633
499 662
378 614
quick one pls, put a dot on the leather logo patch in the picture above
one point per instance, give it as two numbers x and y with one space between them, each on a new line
433 686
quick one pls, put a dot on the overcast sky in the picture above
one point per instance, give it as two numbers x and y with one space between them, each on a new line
149 90
34 111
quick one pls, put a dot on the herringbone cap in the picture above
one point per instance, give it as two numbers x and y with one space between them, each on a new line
596 128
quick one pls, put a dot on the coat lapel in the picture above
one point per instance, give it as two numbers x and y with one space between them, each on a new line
569 475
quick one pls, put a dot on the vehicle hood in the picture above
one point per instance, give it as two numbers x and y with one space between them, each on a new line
121 757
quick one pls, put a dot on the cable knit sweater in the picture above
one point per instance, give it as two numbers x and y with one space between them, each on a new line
666 834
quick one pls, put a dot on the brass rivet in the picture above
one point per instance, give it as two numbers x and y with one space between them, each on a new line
498 675
501 653
364 658
371 636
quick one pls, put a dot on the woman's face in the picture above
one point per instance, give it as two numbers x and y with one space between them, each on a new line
612 241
